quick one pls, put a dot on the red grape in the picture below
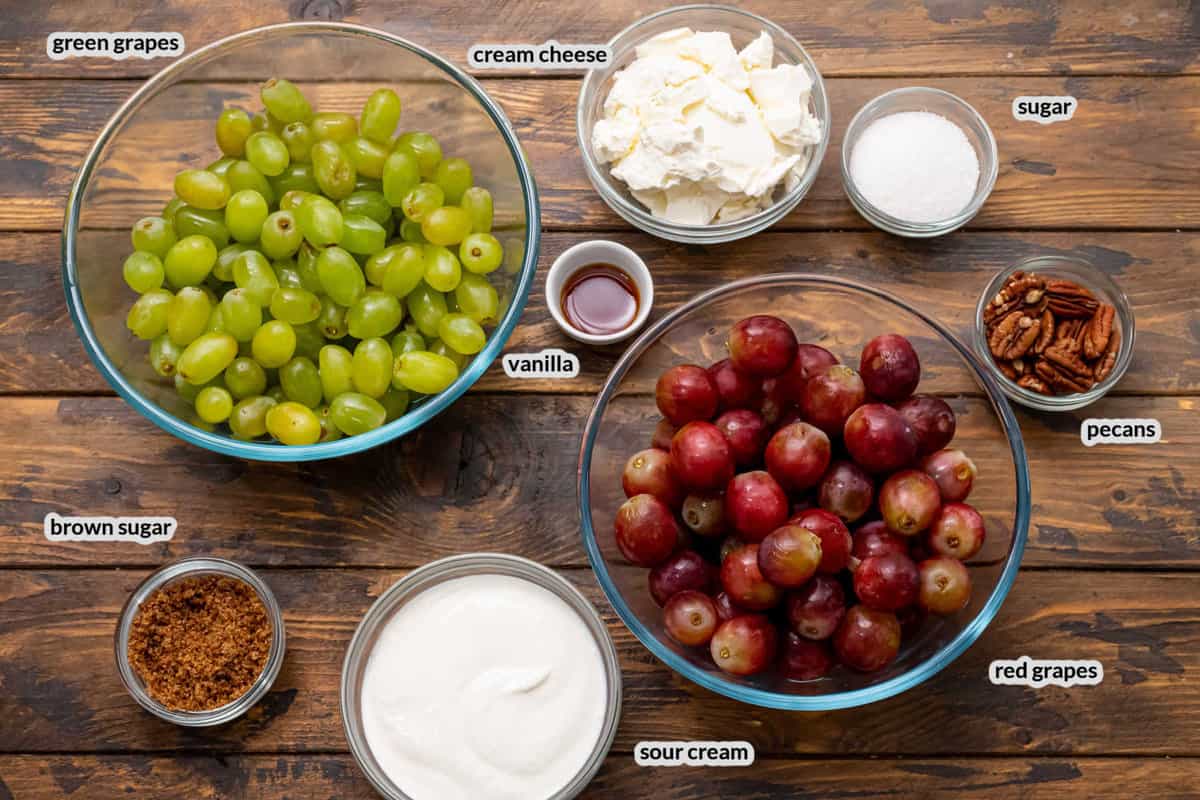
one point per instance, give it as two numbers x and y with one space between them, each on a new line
646 530
649 472
746 433
797 456
846 490
744 645
744 582
874 539
830 397
735 389
931 419
953 472
682 571
664 432
909 501
867 640
728 545
888 582
890 367
911 619
879 438
690 618
776 404
957 531
755 505
835 538
704 514
817 607
701 457
804 660
685 393
726 610
789 556
762 345
945 586
810 359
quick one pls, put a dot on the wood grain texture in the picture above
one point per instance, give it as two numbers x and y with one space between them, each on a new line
61 694
261 777
898 37
41 352
498 473
1141 135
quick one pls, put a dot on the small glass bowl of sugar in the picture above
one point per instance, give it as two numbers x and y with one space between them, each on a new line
918 162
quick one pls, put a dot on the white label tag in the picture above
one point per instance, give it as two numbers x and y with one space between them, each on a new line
551 55
1044 109
143 530
693 754
117 46
549 363
1026 671
1119 431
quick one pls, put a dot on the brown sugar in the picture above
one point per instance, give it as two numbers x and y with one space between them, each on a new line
201 642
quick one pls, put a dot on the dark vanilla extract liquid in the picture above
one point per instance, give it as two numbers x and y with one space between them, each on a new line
600 299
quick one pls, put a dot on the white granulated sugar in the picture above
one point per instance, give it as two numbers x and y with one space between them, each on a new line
916 166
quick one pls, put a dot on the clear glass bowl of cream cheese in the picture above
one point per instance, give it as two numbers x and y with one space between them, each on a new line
708 125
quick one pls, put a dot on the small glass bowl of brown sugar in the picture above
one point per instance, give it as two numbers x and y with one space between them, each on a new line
1056 331
200 641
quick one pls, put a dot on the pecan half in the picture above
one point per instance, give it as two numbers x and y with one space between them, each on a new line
1012 295
1013 337
1108 359
1069 335
1034 384
1099 331
1045 333
1007 369
1063 369
1069 300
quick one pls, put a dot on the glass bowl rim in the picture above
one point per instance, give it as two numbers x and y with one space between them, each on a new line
458 566
716 233
270 451
836 700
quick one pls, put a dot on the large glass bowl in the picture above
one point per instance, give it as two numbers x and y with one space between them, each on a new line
842 316
167 125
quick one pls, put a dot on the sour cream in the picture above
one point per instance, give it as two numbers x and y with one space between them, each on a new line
484 687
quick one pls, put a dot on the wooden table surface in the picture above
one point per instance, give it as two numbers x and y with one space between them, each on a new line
1110 572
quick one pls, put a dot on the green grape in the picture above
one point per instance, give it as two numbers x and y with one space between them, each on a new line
241 315
329 431
253 273
221 166
285 271
245 377
306 267
355 413
478 299
463 334
293 424
514 255
164 355
143 271
301 382
402 265
371 368
364 184
295 306
334 126
274 344
454 176
295 178
299 139
481 253
333 169
410 231
200 222
248 419
280 236
442 270
368 157
244 175
395 402
446 225
276 393
147 318
206 357
375 314
426 306
214 404
244 215
424 148
340 276
440 348
172 206
380 115
233 126
332 320
284 101
293 199
153 235
267 152
421 201
401 174
185 390
189 261
223 269
200 188
187 315
362 235
266 121
367 204
424 372
336 368
216 323
406 341
309 340
320 221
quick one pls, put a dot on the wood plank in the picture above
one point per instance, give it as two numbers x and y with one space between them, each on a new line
904 37
61 692
1121 162
41 352
254 777
499 474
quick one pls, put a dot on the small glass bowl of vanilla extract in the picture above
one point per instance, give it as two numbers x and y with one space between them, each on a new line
599 292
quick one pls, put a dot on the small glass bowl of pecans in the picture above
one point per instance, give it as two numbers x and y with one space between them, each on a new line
1057 331
200 641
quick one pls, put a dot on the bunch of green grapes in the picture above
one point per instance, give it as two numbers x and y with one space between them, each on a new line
318 277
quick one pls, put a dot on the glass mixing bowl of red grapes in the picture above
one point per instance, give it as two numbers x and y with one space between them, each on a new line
803 493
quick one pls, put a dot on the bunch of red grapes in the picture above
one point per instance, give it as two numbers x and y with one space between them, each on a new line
742 505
